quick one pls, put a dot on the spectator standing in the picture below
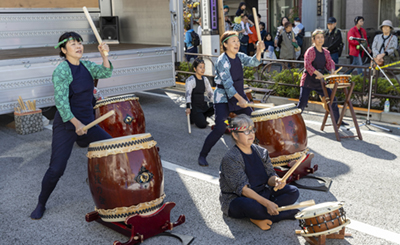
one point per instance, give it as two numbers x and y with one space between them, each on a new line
243 29
280 29
355 50
286 41
333 40
263 32
269 51
228 23
385 44
299 32
190 48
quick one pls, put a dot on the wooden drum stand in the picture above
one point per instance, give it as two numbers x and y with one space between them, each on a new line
347 103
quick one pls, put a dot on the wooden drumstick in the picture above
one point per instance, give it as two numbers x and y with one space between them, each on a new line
94 29
98 120
298 205
259 105
257 24
335 72
292 169
188 121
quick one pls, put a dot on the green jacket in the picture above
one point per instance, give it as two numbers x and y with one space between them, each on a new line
62 78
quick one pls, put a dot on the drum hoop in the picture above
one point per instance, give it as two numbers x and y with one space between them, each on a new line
115 99
332 76
315 210
327 232
276 114
119 214
134 144
285 159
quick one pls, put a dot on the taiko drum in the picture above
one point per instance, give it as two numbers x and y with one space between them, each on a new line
282 131
125 177
128 118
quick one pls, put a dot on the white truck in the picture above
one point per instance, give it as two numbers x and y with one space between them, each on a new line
149 44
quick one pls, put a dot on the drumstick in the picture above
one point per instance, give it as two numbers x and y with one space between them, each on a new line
256 23
338 70
94 29
98 120
298 205
259 105
34 104
292 169
21 103
188 121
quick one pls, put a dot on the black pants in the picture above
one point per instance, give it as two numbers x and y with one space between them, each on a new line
305 93
244 207
61 148
221 114
200 118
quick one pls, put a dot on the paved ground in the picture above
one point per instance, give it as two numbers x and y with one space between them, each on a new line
364 175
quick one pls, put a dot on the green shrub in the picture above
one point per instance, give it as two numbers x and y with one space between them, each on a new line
183 66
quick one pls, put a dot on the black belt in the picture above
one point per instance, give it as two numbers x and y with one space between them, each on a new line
220 86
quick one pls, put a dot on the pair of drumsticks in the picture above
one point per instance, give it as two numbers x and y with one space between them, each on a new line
30 106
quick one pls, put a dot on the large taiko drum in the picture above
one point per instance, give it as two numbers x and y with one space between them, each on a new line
128 118
322 219
125 177
282 131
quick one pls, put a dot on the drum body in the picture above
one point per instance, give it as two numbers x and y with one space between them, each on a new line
323 218
125 176
128 118
340 79
282 131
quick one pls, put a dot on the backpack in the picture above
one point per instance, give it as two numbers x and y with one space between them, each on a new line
195 39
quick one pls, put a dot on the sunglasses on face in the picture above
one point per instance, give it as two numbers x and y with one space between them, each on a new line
248 131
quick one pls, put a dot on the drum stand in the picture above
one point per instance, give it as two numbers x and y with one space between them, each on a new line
347 103
140 227
321 239
372 71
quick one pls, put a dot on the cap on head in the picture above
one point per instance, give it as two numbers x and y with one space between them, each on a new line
331 20
296 19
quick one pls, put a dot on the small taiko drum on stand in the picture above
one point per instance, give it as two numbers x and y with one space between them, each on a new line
282 131
128 118
127 185
340 79
322 220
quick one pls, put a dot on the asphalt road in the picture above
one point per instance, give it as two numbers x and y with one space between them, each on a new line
364 173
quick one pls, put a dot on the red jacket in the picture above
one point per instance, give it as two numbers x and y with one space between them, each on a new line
353 32
253 37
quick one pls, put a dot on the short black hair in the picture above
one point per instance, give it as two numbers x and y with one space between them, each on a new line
75 36
197 62
284 17
187 26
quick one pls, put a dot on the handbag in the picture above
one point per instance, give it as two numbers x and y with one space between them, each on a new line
381 61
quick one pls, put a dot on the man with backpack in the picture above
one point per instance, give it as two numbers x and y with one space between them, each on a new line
333 40
192 40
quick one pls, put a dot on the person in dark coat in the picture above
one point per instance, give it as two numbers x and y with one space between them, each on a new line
333 40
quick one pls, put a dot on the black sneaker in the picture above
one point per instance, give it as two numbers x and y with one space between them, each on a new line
344 123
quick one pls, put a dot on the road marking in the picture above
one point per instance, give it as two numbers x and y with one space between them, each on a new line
355 225
374 231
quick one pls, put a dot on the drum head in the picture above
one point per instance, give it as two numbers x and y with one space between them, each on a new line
120 145
115 99
318 210
275 112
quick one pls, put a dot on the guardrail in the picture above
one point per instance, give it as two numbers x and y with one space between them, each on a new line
269 65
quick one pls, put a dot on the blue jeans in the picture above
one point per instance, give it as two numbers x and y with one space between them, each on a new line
189 56
357 62
335 57
244 207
